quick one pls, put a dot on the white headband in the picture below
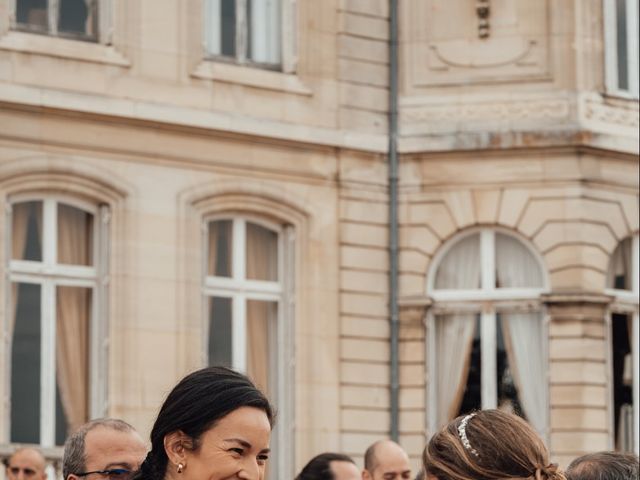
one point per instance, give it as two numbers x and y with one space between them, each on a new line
462 433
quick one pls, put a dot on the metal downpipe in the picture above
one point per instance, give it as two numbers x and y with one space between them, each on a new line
393 219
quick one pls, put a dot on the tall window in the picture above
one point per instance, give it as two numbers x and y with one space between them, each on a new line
621 46
248 31
486 335
247 289
622 283
53 273
64 18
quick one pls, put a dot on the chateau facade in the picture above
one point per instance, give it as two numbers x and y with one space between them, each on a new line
189 183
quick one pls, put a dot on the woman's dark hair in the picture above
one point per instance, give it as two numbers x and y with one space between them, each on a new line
319 467
196 404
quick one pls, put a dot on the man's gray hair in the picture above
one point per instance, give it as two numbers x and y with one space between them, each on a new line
604 466
74 460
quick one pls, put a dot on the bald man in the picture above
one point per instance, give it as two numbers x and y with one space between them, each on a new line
26 464
386 460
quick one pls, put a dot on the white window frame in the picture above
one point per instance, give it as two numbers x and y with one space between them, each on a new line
287 36
611 48
104 23
49 275
488 301
240 289
628 302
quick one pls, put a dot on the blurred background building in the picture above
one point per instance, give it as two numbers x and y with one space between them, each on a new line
194 182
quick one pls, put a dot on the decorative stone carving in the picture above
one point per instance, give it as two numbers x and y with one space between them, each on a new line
512 41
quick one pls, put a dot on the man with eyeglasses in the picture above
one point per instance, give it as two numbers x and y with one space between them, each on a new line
103 449
26 464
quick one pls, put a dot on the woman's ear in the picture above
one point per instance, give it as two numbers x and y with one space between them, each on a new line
175 445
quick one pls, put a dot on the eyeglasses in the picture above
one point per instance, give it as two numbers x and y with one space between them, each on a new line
114 474
15 471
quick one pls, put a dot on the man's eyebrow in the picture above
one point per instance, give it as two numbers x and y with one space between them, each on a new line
118 464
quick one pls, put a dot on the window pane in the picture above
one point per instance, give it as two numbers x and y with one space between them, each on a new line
461 266
261 334
619 272
262 253
72 358
32 13
516 267
77 16
25 363
264 31
472 393
220 331
26 231
228 28
622 381
75 236
220 248
621 43
508 396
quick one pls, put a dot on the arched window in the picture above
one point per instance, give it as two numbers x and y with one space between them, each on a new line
248 289
486 331
57 256
622 284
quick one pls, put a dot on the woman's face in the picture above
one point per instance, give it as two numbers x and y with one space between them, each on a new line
237 447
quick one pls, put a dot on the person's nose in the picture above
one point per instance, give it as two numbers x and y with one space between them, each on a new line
251 470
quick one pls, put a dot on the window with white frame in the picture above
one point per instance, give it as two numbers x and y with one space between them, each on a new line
55 358
257 32
76 19
621 46
486 331
248 290
622 284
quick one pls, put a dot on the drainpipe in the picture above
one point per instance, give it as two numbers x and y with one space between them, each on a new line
393 218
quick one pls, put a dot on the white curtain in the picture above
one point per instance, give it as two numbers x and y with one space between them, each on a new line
265 30
72 316
262 264
454 340
524 343
516 267
460 269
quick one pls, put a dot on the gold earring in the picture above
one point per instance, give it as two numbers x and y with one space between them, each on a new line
180 468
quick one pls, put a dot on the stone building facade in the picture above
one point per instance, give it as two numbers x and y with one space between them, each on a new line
186 183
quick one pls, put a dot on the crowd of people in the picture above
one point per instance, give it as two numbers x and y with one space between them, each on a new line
216 425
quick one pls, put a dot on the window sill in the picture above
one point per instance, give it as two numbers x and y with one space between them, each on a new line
251 77
62 48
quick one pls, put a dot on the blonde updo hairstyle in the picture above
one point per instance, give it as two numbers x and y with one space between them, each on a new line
488 445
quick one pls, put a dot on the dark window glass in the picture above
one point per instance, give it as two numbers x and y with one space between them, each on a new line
621 40
25 364
472 397
26 231
77 17
622 381
33 14
220 248
228 28
220 331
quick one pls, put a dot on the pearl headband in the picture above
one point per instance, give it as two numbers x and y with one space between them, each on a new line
462 433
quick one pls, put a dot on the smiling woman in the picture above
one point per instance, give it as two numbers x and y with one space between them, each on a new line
215 424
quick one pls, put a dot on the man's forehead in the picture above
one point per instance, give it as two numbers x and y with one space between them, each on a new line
28 456
103 441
